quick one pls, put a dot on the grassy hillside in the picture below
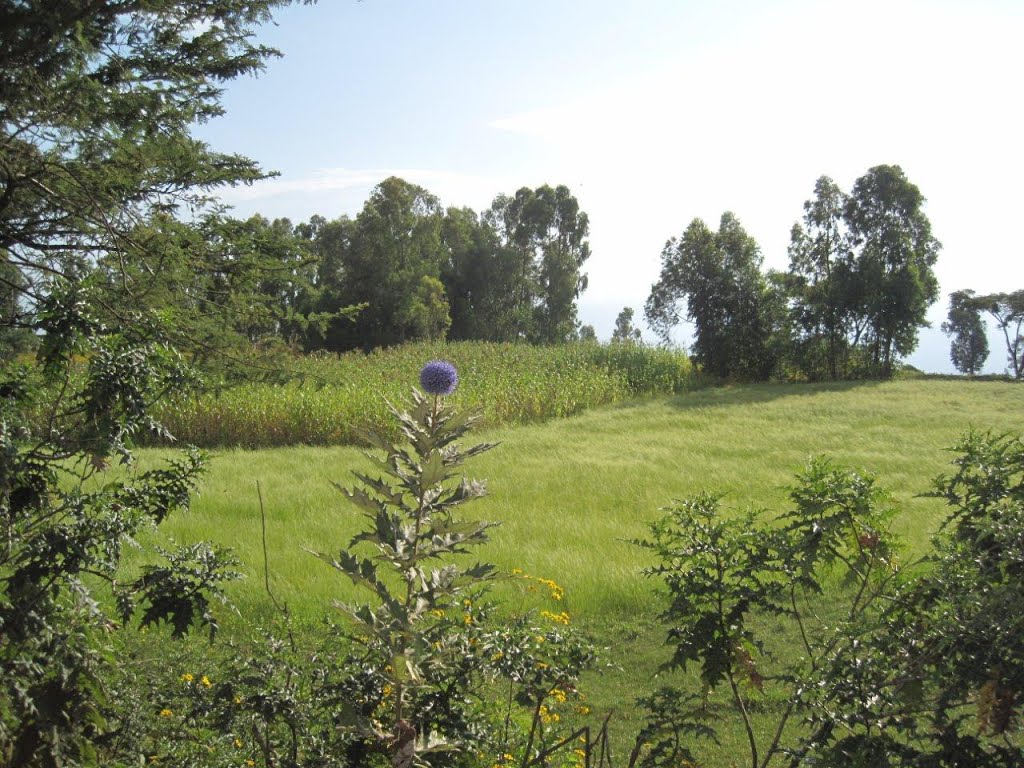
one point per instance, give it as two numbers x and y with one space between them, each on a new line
569 494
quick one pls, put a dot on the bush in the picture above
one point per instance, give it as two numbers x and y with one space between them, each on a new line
916 665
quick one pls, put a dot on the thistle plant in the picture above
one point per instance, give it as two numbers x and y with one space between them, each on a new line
413 675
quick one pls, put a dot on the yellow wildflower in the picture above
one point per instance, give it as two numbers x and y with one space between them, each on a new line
237 743
166 712
557 618
558 695
205 681
187 677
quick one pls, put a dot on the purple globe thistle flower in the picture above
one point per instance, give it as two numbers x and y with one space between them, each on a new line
439 377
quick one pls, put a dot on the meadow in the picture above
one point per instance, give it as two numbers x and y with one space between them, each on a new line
570 494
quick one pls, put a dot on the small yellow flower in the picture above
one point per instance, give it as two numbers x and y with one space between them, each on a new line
250 762
205 681
166 712
237 743
187 677
516 571
239 699
557 618
584 710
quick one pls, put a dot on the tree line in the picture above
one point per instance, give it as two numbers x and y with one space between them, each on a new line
858 286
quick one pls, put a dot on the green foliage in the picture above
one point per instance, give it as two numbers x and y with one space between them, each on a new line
332 401
624 330
97 101
724 573
727 298
1007 309
969 348
916 665
420 643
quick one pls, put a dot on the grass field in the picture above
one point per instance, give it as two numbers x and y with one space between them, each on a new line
571 493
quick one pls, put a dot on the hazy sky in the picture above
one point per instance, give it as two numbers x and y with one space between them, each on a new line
653 113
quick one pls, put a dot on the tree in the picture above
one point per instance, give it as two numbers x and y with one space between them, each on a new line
544 234
1007 309
97 100
895 252
727 298
429 312
483 280
588 334
381 259
820 269
969 348
625 332
15 333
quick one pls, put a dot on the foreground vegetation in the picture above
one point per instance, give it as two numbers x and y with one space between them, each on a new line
579 489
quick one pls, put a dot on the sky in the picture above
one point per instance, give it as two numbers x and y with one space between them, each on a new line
653 113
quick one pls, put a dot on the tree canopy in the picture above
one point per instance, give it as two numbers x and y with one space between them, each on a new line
118 262
718 276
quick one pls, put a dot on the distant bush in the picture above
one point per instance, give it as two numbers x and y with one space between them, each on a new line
334 400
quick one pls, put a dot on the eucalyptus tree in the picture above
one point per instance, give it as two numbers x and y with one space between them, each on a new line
969 348
718 276
1007 309
393 243
545 235
483 279
820 281
624 331
895 253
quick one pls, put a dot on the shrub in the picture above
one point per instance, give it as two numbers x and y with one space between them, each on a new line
919 665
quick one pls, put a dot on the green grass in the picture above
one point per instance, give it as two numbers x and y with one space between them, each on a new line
333 400
571 493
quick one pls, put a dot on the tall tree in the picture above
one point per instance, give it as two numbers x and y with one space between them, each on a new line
1007 309
969 348
895 253
545 233
97 100
483 279
395 241
820 270
625 332
727 298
